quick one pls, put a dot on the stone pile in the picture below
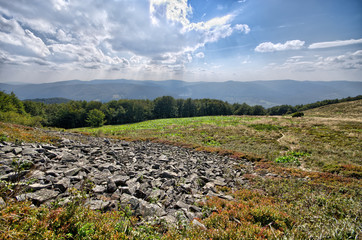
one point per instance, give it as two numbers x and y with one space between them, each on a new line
155 180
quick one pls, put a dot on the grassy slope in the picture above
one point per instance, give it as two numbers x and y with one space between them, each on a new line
334 144
293 203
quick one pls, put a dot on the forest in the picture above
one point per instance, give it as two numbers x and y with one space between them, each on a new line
75 114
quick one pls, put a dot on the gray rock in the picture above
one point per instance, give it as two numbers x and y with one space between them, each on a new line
17 150
42 196
72 172
120 180
198 224
62 184
111 186
38 186
98 204
67 157
146 209
99 189
168 174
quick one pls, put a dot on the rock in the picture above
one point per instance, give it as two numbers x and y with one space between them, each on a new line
7 149
29 151
163 158
153 178
67 157
97 204
181 204
120 180
146 209
37 186
198 224
42 196
168 174
17 150
62 184
72 172
111 186
37 174
99 189
128 200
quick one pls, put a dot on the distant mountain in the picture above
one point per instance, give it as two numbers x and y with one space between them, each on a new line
265 93
49 100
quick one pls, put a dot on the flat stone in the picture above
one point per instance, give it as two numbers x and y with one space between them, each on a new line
72 172
17 150
42 196
198 224
163 158
168 174
62 184
38 186
29 151
146 209
120 180
67 157
99 189
97 204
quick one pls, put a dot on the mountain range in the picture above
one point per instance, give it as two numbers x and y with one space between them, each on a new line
265 93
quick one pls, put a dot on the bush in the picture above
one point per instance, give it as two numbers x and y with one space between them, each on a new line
298 114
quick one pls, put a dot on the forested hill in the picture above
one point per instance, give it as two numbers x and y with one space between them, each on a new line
265 93
94 113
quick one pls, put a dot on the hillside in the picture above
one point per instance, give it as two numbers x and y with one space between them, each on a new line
243 177
348 110
265 93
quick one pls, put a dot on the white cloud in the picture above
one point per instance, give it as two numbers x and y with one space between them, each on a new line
114 34
271 47
344 62
200 55
242 28
175 10
338 43
24 40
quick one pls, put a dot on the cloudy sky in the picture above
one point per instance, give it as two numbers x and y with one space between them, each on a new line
191 40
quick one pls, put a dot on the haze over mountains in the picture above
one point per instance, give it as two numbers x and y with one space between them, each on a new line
265 93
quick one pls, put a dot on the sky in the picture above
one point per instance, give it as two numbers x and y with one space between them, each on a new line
191 40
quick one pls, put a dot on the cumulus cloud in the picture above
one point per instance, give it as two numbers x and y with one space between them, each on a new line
338 43
24 40
115 34
271 47
347 61
242 28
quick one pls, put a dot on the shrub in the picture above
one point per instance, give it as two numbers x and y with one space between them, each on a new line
298 114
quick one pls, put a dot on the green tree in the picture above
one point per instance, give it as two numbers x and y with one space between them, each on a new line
95 118
165 107
242 109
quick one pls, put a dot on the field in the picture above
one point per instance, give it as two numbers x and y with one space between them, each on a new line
305 182
330 144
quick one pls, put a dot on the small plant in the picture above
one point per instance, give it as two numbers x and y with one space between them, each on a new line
292 157
287 159
3 138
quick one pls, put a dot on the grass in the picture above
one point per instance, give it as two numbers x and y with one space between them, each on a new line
319 198
330 142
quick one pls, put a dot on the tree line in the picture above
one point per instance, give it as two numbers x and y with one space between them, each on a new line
75 114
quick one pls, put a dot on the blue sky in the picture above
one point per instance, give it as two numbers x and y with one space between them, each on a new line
211 40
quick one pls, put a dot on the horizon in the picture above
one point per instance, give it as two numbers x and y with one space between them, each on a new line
176 80
185 40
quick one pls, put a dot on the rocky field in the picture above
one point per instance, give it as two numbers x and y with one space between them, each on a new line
155 180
